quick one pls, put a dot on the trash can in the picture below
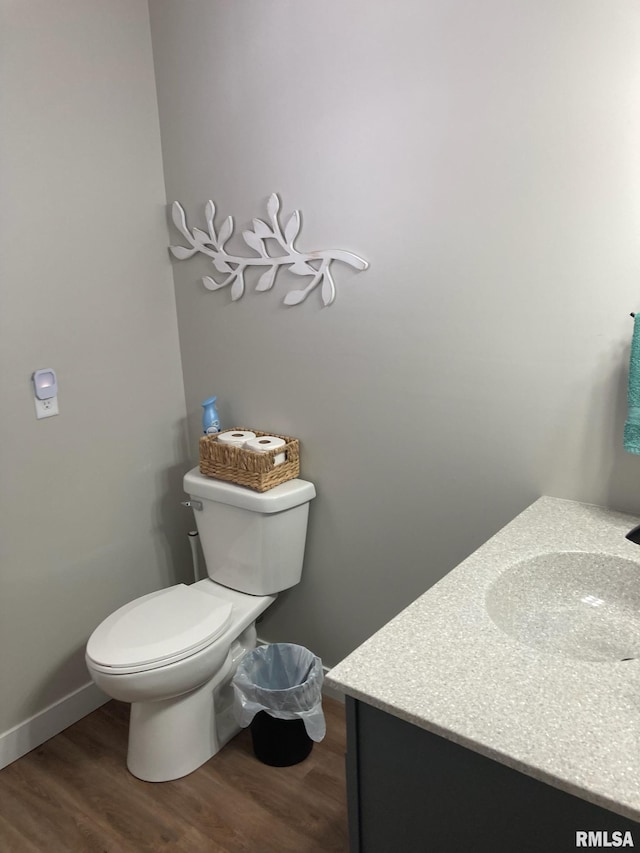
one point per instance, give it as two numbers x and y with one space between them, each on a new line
278 692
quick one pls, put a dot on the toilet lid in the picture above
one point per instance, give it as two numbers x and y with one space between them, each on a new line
165 625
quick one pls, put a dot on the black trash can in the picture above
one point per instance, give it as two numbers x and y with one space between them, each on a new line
277 742
278 692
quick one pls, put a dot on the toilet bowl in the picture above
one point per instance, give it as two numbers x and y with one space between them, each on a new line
173 653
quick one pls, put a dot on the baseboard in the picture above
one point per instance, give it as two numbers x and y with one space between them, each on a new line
37 729
329 691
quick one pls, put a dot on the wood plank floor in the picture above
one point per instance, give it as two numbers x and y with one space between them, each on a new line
75 794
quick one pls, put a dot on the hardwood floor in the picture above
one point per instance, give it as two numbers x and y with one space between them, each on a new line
75 794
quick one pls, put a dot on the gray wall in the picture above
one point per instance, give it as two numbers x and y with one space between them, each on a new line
483 156
87 499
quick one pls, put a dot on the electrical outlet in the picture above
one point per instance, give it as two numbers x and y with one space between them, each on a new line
46 408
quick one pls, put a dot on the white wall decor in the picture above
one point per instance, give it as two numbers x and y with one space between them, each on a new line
316 265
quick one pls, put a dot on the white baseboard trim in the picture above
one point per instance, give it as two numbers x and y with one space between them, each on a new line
329 691
46 724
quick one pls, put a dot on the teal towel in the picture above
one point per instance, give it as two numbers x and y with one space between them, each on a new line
632 425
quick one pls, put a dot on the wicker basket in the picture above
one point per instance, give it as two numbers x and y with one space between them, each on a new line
256 471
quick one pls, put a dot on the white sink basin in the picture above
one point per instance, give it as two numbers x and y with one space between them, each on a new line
577 604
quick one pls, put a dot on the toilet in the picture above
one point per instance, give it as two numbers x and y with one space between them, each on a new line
172 653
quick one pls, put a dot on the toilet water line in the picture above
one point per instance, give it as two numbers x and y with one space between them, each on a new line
193 542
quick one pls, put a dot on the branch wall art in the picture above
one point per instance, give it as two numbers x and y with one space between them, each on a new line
315 265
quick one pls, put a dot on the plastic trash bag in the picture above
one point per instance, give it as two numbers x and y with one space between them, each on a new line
284 680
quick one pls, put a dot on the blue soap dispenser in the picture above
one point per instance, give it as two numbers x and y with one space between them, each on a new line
210 418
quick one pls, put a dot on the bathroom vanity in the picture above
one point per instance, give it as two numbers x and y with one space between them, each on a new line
501 710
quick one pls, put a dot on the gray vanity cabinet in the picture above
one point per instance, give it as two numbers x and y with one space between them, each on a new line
411 791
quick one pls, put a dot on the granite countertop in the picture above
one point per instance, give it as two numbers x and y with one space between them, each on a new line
444 665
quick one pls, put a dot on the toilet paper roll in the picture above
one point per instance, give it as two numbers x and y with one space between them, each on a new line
267 442
236 437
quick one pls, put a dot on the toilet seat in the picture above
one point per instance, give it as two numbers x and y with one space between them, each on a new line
158 629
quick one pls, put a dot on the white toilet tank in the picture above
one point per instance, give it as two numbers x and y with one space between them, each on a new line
252 541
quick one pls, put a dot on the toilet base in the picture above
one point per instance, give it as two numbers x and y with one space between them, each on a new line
173 737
